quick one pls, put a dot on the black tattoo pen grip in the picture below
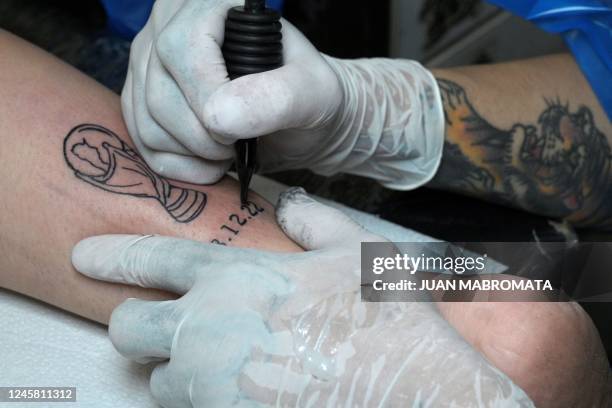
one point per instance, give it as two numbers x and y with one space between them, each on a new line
253 44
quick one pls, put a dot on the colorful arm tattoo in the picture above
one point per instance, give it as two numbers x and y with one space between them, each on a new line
559 167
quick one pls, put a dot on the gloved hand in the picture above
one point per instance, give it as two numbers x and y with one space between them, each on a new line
175 65
284 329
377 118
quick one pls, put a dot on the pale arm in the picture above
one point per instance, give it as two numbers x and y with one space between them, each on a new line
51 198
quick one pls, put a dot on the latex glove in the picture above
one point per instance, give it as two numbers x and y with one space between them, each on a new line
175 65
285 329
377 118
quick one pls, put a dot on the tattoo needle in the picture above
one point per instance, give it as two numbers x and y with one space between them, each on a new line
253 44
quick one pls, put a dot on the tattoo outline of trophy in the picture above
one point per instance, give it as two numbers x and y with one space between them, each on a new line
99 157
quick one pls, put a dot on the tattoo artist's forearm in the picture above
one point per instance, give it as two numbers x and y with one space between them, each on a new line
558 165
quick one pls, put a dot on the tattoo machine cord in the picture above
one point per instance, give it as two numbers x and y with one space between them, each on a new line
253 44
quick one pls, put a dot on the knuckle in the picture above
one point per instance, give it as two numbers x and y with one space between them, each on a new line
162 389
168 43
126 100
156 99
157 164
285 92
118 324
211 153
137 44
213 175
156 390
151 139
204 145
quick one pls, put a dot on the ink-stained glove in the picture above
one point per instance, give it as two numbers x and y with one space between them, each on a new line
175 65
260 328
377 118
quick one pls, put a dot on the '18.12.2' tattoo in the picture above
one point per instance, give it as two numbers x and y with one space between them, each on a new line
559 167
99 157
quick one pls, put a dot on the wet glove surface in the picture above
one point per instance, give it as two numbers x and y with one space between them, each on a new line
260 328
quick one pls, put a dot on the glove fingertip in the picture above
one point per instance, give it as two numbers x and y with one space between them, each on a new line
76 259
84 254
292 217
314 225
93 256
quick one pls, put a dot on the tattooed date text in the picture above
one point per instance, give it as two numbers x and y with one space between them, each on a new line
236 222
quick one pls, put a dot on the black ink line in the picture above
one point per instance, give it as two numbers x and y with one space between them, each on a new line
126 173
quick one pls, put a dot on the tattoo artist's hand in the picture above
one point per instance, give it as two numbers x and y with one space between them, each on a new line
175 65
378 118
284 329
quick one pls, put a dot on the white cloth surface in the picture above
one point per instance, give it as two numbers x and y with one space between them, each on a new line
43 346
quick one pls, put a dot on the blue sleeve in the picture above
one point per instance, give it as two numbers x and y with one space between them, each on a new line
586 26
127 17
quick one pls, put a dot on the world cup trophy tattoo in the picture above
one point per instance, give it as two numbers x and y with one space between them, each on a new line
99 157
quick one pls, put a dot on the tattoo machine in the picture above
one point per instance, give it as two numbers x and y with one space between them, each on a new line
253 44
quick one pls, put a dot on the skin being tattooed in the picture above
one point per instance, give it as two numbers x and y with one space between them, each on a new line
559 167
235 222
99 157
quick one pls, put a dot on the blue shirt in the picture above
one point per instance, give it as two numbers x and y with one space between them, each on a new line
586 26
127 17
